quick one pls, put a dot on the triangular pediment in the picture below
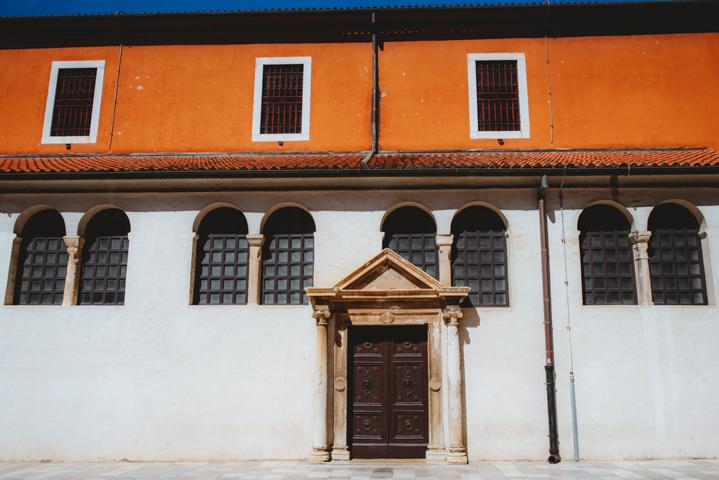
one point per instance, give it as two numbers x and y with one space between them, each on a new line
388 271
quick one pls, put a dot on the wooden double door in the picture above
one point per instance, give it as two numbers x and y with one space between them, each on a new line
388 383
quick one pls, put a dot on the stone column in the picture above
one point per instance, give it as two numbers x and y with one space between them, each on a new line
12 273
254 267
320 451
640 245
444 250
436 452
339 443
72 275
456 452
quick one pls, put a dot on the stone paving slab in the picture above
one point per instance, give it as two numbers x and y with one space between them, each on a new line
277 470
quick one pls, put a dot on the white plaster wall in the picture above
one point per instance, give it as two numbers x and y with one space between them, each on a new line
158 379
643 374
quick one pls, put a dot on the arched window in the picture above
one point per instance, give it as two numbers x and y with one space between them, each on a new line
104 259
222 257
479 256
411 232
42 261
607 266
675 257
288 257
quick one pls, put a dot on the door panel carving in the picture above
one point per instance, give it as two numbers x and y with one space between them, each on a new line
388 406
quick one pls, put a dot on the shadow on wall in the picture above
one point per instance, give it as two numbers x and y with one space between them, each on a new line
470 319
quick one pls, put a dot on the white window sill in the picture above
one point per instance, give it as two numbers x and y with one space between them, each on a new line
280 137
58 140
495 135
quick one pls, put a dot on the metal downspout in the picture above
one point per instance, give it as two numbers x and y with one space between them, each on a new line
375 97
554 456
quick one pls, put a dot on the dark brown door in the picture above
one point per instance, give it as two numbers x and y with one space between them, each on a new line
388 406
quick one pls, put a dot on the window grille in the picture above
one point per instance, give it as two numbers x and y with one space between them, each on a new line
42 261
497 96
222 259
675 257
74 94
282 99
606 254
412 234
104 259
288 257
479 257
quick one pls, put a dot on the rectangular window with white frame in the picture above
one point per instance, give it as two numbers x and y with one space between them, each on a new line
282 99
498 105
72 111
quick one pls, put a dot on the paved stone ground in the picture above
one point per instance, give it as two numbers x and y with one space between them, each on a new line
568 470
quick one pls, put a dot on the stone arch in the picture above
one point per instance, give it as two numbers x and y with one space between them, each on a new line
693 209
28 213
281 205
480 203
399 205
90 214
611 203
204 211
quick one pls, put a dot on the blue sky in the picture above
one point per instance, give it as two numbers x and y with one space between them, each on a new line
72 7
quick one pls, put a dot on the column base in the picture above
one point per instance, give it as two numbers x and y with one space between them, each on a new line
457 457
319 455
340 454
436 455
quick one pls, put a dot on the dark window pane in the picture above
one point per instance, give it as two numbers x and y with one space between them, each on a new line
479 256
288 257
410 232
42 261
281 99
675 257
102 275
74 94
607 266
497 96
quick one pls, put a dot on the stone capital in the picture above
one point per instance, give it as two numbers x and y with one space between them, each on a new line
452 315
639 237
444 239
322 314
73 244
255 240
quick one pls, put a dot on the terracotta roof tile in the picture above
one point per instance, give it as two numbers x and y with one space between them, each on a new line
549 159
69 164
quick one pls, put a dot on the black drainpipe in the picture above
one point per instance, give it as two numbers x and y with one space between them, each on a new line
554 456
375 96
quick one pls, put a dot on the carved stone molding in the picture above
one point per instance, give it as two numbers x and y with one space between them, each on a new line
445 239
435 384
255 240
388 291
452 314
639 237
322 314
340 384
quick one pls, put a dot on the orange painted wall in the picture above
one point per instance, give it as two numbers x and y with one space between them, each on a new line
656 91
189 98
425 100
24 76
622 91
200 98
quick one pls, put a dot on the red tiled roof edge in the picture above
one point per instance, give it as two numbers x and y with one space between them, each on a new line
338 162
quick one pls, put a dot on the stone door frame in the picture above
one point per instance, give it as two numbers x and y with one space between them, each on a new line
387 291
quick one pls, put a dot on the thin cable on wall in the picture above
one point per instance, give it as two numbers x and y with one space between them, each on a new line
575 432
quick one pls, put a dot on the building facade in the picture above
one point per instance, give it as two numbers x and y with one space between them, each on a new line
429 233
